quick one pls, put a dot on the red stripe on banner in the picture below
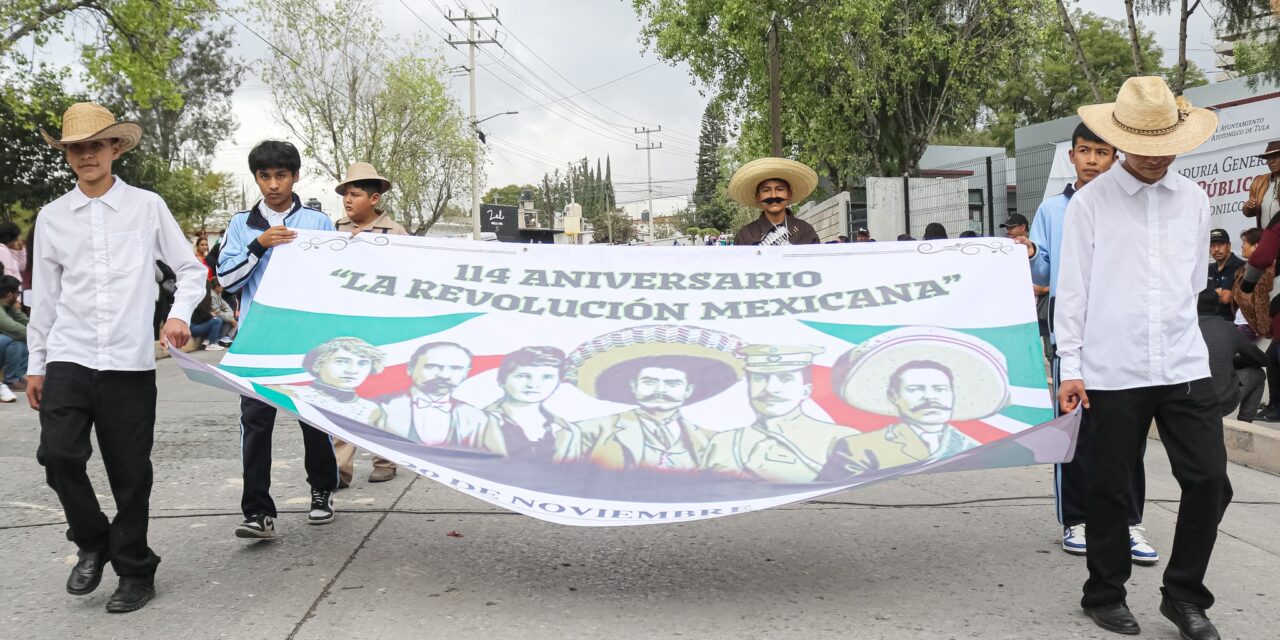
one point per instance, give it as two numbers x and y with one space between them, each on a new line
395 378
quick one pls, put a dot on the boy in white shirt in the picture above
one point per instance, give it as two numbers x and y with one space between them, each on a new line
92 363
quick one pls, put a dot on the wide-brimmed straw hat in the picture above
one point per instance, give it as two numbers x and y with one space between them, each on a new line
1272 150
979 371
1146 119
362 171
604 366
801 179
86 121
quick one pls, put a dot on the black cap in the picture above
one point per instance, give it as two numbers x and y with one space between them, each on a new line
1014 220
1219 236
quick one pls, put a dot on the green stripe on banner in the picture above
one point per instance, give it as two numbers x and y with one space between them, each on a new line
276 397
1020 344
260 372
275 331
1028 415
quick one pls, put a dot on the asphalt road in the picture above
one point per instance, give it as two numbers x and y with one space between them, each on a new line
966 555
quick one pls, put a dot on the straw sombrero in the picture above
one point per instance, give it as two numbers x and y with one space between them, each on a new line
742 187
86 121
362 171
604 366
1146 119
980 375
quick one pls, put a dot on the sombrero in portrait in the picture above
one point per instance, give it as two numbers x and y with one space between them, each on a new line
85 121
797 175
604 366
980 374
1146 119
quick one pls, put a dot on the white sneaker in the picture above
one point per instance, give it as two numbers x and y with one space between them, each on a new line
1073 540
213 346
1139 550
6 394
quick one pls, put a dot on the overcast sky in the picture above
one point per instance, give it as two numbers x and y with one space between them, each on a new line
573 46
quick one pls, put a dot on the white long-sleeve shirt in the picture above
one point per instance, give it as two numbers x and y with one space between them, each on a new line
1134 258
93 279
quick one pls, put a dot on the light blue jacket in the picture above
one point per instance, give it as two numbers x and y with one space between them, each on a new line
242 261
1046 234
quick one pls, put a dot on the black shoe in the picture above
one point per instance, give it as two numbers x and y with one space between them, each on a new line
87 573
1271 414
133 593
1191 621
256 527
321 507
1114 617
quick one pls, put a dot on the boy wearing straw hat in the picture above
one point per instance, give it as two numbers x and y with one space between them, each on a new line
1134 354
246 251
361 192
92 360
771 184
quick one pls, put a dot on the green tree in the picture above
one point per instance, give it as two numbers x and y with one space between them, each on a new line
865 84
206 75
611 227
348 94
510 194
32 172
711 141
1258 55
136 40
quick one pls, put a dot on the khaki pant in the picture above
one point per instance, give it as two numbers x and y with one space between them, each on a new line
346 453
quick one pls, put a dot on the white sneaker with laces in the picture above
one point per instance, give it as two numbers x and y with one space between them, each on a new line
1073 540
213 346
6 394
1139 550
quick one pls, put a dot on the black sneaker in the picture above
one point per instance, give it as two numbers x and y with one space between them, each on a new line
321 507
1272 414
257 527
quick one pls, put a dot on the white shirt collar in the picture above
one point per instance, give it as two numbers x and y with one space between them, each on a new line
112 198
1132 185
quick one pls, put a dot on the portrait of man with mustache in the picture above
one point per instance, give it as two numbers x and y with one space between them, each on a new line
428 412
653 435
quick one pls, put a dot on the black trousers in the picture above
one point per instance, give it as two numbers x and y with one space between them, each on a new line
121 407
1190 423
257 420
1071 479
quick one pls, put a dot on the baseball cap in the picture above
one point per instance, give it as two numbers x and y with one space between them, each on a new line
1218 236
1014 220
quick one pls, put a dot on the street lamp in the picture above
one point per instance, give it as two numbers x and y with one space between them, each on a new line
475 175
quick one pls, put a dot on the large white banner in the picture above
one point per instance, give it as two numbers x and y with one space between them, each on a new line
617 386
1224 166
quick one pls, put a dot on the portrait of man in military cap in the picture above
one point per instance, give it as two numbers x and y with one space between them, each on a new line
927 377
784 444
658 370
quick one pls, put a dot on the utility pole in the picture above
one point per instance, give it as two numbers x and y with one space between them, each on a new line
472 43
648 152
775 100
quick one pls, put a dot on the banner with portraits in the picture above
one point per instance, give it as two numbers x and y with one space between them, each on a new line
602 385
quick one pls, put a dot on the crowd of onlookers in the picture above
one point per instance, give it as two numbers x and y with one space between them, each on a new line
13 320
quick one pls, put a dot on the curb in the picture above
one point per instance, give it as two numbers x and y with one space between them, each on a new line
1248 445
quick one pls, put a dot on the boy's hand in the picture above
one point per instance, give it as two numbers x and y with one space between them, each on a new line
176 332
277 235
35 389
1071 394
1026 242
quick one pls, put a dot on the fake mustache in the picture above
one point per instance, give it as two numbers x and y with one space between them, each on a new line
773 200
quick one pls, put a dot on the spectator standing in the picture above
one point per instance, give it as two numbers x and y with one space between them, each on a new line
935 231
1222 271
1264 192
1015 226
1234 362
246 251
13 251
202 253
92 365
1253 310
13 340
362 190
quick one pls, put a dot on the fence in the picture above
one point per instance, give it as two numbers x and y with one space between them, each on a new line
971 195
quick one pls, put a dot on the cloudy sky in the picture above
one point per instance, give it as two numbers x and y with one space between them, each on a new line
590 52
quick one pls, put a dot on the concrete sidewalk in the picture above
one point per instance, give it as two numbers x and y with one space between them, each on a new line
968 555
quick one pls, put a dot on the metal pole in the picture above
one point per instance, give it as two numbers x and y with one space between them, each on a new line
991 201
775 98
648 149
906 201
475 169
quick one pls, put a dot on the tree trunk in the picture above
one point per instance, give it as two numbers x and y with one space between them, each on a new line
1180 80
1135 44
1075 44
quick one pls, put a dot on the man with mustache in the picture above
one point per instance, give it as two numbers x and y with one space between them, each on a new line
428 412
772 184
653 435
784 444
